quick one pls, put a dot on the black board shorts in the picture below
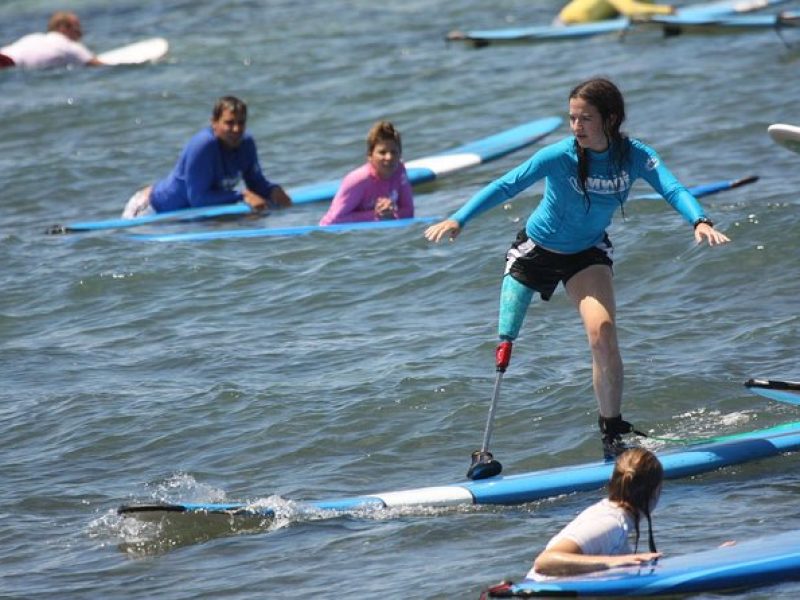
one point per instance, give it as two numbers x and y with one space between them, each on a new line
542 270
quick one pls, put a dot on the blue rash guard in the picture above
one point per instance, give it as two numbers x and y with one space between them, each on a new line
564 221
207 173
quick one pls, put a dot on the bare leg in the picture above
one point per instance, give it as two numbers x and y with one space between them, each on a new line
592 291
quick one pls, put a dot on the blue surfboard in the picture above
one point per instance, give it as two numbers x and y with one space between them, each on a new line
707 189
421 170
544 33
744 21
753 563
429 168
185 214
226 234
199 236
526 487
774 389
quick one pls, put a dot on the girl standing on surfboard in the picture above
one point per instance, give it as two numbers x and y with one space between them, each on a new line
377 190
588 175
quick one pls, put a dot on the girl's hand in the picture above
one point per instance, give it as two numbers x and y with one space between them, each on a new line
628 560
704 231
447 228
384 209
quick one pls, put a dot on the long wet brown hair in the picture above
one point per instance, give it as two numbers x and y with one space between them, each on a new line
637 475
607 99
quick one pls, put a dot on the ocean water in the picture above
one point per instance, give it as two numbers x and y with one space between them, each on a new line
278 370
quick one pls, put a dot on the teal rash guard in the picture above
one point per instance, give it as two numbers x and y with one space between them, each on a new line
565 220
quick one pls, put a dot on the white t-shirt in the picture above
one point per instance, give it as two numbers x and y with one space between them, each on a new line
601 529
42 50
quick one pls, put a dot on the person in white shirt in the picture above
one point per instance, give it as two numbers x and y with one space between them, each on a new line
599 537
59 47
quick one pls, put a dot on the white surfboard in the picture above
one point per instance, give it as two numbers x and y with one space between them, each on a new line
787 136
149 50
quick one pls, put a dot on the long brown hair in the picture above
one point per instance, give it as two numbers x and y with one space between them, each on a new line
636 478
607 99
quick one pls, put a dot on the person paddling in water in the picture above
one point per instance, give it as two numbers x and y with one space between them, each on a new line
589 11
588 175
211 167
60 47
599 538
379 189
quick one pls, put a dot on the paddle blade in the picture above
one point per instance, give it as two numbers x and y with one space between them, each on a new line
483 466
780 391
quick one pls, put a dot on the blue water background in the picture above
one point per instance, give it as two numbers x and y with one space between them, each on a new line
337 365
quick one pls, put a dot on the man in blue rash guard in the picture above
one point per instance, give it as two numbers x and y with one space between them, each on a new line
210 168
587 176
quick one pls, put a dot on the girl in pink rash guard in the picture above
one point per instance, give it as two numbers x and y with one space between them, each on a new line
378 189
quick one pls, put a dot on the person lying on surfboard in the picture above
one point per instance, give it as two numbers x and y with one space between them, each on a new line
588 11
377 190
588 175
210 168
59 47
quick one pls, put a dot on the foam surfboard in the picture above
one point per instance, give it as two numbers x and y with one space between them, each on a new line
787 136
226 234
711 23
515 489
238 209
421 170
544 33
707 189
758 562
430 168
184 214
144 51
198 236
774 389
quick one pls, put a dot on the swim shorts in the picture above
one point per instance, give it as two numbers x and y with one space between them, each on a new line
542 270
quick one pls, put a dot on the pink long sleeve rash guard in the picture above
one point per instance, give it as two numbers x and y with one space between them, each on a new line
359 190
